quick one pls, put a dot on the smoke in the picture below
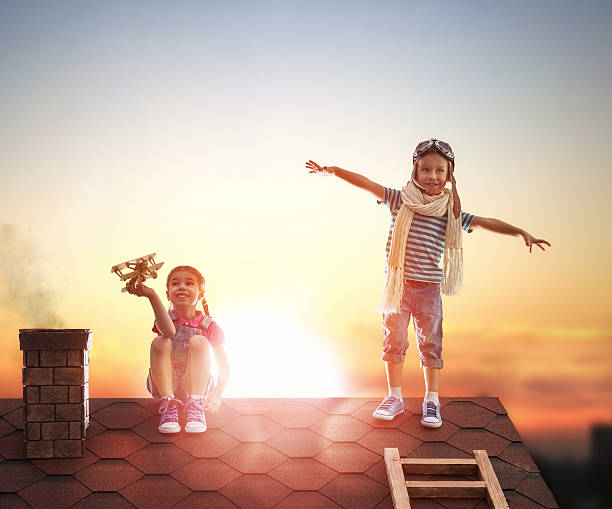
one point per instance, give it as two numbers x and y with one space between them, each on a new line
24 285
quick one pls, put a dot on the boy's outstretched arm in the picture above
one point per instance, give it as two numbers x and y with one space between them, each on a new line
495 225
162 318
348 176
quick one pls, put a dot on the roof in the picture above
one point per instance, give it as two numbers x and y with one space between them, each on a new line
262 453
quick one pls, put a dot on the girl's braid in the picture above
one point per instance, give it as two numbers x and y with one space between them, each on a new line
205 306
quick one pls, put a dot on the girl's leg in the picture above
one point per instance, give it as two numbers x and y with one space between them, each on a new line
161 365
198 366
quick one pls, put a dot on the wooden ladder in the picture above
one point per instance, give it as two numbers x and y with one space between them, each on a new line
401 490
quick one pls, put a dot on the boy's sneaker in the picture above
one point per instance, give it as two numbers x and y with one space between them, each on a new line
169 422
196 422
431 415
389 408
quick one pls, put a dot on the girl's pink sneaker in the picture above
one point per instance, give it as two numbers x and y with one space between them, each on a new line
169 422
196 422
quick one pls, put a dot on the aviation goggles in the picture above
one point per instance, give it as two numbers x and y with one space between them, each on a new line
443 148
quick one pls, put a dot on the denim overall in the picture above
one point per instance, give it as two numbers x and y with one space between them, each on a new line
180 357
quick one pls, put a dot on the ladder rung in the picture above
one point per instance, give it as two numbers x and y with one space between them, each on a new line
439 466
447 489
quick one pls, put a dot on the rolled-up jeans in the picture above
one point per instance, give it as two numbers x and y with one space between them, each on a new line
423 302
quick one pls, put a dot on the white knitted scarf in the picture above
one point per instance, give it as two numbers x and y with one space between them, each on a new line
416 201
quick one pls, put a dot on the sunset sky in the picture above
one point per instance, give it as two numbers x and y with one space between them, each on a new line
182 128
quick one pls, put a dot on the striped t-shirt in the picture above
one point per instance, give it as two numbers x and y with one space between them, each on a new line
425 244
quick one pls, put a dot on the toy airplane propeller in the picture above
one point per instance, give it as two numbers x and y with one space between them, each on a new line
141 269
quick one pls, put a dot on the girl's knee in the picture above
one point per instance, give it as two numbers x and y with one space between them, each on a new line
198 343
161 344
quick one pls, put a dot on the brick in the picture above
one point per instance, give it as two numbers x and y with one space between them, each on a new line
30 358
39 449
78 358
33 431
55 339
31 394
70 412
69 448
37 376
52 358
75 358
68 376
77 430
40 413
54 394
54 430
75 394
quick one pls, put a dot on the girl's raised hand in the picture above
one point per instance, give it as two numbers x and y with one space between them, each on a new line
323 170
136 288
212 401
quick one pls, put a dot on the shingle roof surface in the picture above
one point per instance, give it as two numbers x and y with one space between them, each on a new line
262 453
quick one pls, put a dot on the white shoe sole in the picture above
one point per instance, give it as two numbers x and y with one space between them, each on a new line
195 429
386 417
169 430
431 424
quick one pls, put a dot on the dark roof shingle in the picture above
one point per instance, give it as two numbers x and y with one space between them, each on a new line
259 453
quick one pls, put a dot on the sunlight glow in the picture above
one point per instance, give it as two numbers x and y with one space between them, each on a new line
271 356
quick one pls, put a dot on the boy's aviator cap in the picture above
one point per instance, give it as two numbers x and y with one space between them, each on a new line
445 150
441 147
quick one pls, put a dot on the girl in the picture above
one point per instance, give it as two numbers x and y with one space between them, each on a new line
426 221
180 361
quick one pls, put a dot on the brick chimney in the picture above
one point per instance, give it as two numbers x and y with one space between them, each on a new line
55 391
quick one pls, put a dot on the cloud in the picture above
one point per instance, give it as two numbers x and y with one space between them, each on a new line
25 286
541 384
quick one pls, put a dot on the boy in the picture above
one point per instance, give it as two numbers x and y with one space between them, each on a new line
426 221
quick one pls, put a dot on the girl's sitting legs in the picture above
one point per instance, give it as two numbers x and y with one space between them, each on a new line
196 380
198 366
161 373
161 365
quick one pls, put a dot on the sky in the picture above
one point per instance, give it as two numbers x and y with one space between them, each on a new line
182 128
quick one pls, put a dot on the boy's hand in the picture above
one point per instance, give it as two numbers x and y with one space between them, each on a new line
530 240
138 289
315 168
212 401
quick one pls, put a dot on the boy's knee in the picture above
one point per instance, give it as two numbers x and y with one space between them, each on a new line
198 343
161 344
432 363
392 358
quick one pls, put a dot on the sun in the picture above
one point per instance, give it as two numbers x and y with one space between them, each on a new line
272 356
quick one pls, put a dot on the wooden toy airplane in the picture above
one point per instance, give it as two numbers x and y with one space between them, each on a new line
141 269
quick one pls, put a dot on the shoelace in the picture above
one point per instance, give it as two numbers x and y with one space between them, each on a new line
388 403
169 410
431 409
195 410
